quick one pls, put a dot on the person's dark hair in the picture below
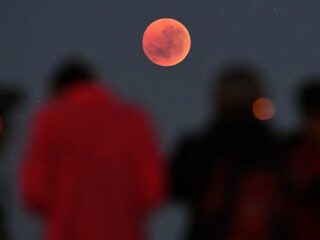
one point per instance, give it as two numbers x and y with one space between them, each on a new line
309 97
70 72
236 87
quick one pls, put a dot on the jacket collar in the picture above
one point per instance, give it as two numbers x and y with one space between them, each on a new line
88 92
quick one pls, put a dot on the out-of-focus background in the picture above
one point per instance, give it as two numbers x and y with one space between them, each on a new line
281 37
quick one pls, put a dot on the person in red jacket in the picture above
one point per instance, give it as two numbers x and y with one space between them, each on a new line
93 169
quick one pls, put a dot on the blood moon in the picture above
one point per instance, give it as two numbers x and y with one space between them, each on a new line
166 42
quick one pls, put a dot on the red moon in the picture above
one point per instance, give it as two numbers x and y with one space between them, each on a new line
166 42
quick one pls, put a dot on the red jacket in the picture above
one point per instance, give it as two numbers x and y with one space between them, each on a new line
93 169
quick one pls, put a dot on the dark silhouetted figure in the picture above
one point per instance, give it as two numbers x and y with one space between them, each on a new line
93 169
226 172
8 98
302 167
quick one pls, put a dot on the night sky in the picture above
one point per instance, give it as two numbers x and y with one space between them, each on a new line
281 37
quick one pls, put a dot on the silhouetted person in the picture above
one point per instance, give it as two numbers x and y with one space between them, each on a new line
93 169
303 167
8 98
225 173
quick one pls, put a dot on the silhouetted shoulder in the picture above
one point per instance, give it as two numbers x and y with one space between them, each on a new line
188 162
193 142
289 141
48 112
188 142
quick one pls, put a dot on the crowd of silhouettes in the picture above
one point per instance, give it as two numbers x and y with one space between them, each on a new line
240 178
93 168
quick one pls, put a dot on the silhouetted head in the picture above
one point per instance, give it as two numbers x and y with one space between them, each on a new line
235 90
309 101
70 72
309 97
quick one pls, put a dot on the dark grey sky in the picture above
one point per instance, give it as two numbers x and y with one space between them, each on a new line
282 37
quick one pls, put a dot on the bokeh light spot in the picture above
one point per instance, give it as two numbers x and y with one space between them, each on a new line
263 109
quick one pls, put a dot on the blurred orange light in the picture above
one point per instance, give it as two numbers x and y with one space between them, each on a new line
263 109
